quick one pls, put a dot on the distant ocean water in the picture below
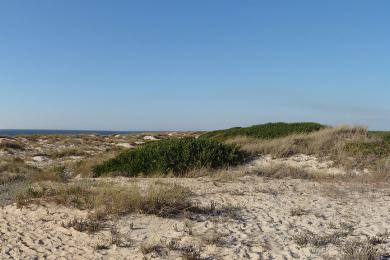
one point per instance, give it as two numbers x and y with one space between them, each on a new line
14 132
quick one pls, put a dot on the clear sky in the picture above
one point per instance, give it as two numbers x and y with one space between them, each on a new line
199 64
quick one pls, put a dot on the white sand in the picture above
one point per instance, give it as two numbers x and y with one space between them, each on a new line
263 227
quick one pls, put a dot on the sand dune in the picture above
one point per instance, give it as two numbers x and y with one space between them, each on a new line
258 218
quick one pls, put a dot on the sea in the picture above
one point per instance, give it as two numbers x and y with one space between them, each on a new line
15 132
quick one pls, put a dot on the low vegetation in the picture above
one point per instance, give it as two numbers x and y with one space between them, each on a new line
84 225
55 174
384 135
324 142
176 156
264 131
105 199
66 153
361 250
376 149
16 170
7 145
319 240
350 147
84 168
280 171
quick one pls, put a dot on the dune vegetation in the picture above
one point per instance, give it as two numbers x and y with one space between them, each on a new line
348 146
113 216
264 131
176 156
351 147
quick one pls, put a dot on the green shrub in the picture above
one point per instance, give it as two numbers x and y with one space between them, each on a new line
264 131
177 156
384 135
378 149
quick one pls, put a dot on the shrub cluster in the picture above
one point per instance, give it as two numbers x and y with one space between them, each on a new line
177 156
264 131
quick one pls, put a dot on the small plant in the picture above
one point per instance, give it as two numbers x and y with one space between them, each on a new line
149 247
299 211
213 237
84 225
188 252
119 239
102 246
319 240
358 250
166 201
380 238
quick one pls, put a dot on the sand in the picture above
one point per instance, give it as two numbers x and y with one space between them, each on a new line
261 218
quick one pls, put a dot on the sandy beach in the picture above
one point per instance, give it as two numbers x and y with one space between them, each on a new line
255 218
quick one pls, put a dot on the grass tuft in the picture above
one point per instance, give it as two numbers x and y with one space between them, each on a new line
84 225
169 200
5 145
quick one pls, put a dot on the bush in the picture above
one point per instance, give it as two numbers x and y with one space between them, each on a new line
264 131
177 156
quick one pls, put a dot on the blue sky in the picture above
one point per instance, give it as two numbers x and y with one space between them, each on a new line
200 64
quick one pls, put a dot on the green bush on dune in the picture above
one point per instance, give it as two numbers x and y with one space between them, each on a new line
378 149
384 135
176 156
264 131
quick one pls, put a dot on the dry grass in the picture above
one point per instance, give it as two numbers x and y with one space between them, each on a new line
280 171
16 170
107 199
153 247
9 145
84 167
214 237
322 142
360 250
66 153
119 239
188 252
85 225
349 147
299 211
318 240
56 174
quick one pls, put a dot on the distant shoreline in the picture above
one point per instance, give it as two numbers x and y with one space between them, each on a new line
16 132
